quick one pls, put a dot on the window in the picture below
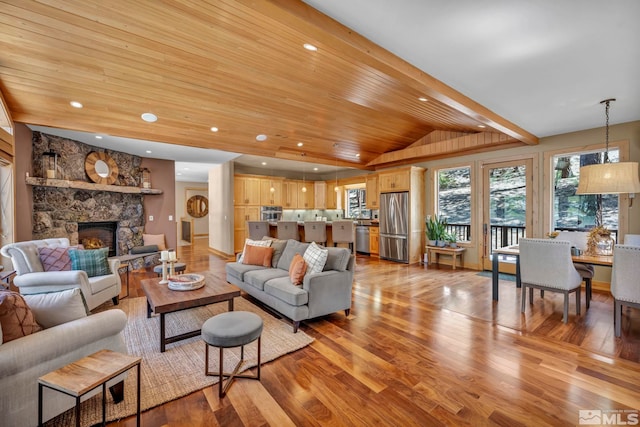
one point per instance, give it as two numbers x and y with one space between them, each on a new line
453 200
356 203
581 212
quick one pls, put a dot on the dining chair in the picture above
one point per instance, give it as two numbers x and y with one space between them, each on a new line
315 231
578 239
546 264
624 281
258 229
632 240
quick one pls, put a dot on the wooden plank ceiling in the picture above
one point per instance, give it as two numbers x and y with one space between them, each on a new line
238 65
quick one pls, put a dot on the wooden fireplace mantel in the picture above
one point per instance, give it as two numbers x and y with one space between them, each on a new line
82 185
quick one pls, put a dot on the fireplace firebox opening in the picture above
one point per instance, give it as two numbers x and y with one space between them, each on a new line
95 235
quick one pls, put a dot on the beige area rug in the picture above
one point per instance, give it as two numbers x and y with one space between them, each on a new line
180 369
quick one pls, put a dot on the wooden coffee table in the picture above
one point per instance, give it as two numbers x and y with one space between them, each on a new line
162 300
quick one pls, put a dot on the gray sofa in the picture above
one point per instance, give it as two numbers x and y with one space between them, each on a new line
320 294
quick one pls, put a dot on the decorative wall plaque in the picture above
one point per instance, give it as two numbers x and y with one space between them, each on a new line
101 168
197 206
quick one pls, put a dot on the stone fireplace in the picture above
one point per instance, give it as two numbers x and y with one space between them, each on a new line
62 212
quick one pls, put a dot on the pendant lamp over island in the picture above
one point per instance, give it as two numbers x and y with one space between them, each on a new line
607 177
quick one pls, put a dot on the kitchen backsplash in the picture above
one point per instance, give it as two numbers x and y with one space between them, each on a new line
312 214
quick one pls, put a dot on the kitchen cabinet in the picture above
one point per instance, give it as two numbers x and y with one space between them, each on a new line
333 195
395 180
289 194
268 197
246 191
242 214
306 199
373 194
374 240
320 195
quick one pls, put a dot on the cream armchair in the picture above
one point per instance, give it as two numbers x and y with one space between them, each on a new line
624 281
32 279
546 264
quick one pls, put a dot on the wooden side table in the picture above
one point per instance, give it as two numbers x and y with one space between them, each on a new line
454 252
80 377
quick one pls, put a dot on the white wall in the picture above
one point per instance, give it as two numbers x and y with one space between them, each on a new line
184 190
221 208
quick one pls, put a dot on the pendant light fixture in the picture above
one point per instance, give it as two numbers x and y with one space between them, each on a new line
607 177
335 147
304 187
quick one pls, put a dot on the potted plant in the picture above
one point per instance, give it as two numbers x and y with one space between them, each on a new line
452 239
436 230
432 232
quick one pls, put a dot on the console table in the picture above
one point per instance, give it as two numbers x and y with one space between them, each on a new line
446 250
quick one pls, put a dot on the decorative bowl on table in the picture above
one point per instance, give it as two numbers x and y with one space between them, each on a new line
186 282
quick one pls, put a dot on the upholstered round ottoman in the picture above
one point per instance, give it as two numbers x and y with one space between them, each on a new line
179 267
227 330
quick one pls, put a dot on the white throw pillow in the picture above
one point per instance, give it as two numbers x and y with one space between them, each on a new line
55 308
263 243
315 257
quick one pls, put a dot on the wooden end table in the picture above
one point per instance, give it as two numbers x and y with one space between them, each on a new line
162 300
80 377
454 252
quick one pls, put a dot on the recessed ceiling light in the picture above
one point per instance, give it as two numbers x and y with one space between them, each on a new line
98 136
264 163
310 47
482 126
185 169
149 117
76 104
148 151
300 144
214 129
178 173
423 99
315 169
261 137
358 155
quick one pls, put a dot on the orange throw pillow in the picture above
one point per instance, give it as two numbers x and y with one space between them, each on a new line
297 269
258 255
16 317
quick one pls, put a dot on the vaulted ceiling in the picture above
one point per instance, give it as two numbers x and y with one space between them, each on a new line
240 66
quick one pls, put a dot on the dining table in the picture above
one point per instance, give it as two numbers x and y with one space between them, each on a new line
514 251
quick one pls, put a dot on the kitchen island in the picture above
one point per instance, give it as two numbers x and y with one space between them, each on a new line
273 231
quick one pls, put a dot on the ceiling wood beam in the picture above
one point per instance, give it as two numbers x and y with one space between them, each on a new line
483 141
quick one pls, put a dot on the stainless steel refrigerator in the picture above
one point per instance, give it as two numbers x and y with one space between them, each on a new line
394 226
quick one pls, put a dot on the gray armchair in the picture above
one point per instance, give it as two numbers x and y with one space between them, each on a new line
624 281
546 264
32 279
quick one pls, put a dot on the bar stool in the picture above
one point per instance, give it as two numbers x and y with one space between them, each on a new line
288 230
258 229
315 231
342 232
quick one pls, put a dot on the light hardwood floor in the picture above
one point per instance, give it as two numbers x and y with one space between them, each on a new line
427 346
